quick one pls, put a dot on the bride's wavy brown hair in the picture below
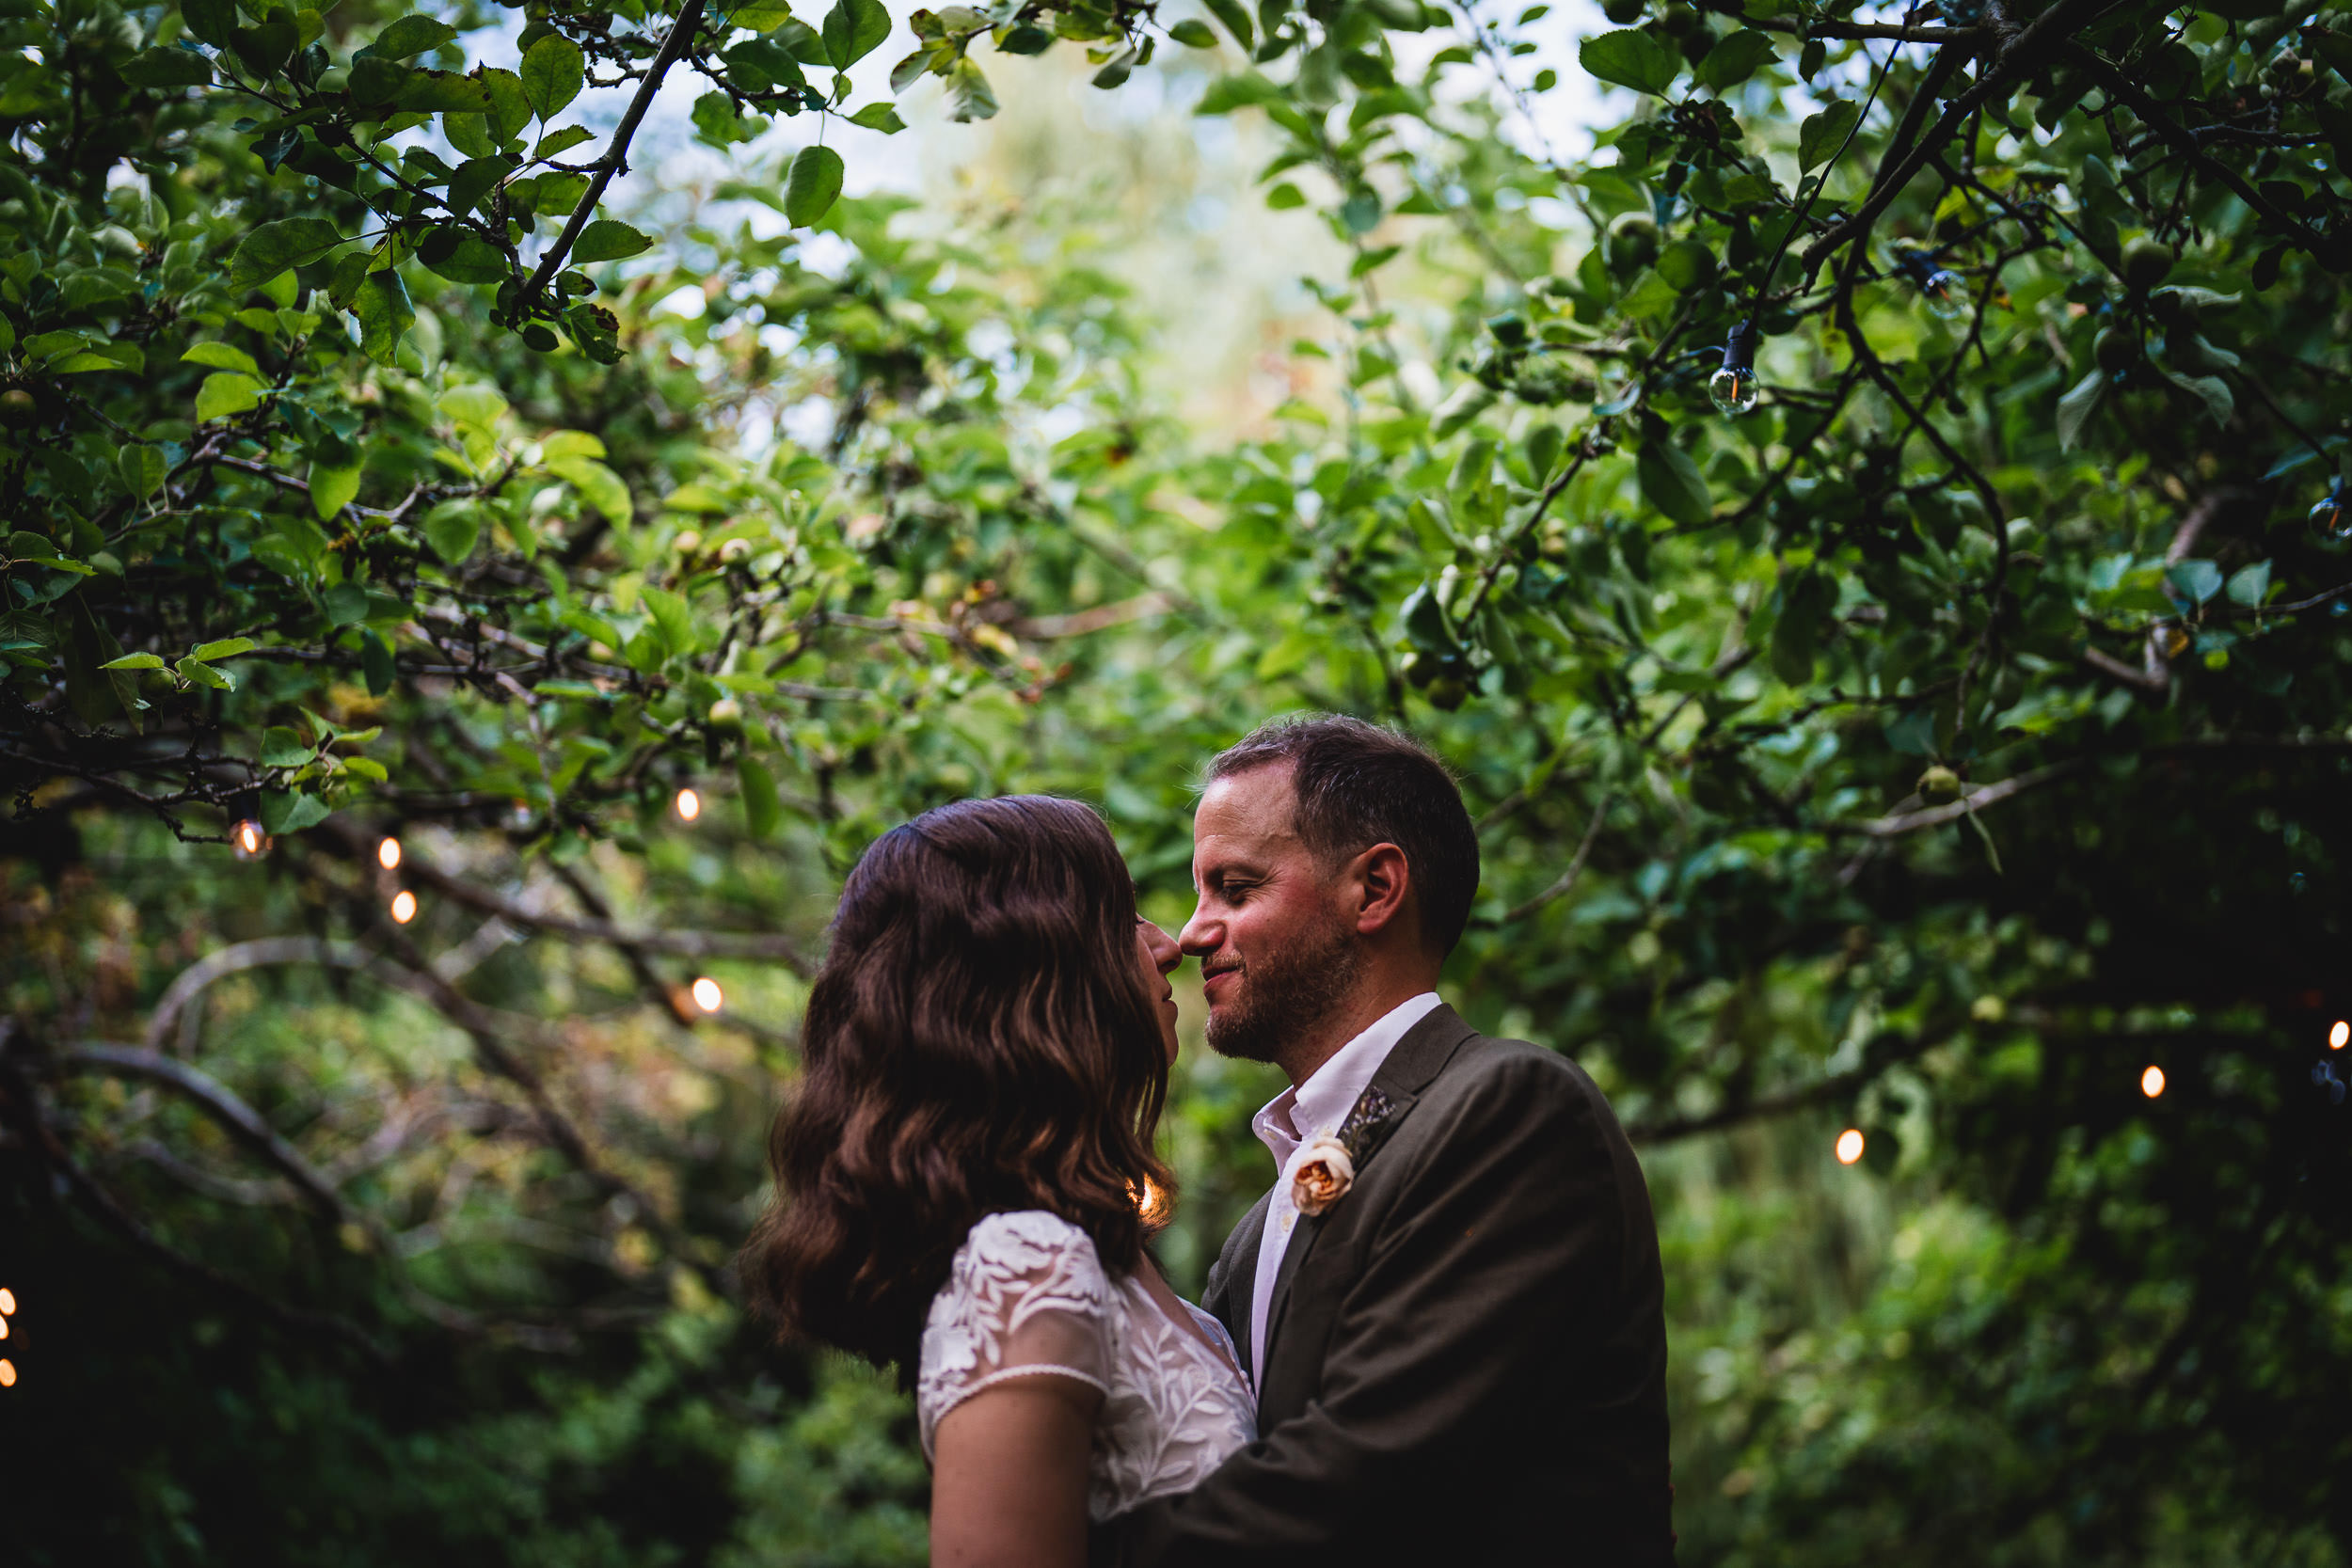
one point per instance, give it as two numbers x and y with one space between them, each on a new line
980 1038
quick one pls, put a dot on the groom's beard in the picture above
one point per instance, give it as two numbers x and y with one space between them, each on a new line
1284 995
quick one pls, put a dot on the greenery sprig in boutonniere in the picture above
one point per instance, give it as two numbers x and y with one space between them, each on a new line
1327 1166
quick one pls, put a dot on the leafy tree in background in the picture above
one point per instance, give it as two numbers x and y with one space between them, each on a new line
1932 748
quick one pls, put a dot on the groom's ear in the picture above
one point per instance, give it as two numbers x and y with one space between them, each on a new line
1379 883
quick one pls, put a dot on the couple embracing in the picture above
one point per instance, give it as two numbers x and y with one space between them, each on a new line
1437 1339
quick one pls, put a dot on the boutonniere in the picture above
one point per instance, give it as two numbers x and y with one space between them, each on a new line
1325 1169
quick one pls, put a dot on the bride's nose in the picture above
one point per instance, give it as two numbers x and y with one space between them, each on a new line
1165 955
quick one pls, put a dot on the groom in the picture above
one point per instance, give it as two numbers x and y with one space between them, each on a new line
1450 1303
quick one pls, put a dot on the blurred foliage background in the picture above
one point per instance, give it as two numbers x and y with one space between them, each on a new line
475 587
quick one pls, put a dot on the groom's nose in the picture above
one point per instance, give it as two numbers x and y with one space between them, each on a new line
1201 935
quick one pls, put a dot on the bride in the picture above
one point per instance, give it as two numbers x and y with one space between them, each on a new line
965 1180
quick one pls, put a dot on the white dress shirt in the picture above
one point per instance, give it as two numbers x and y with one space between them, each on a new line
1312 1110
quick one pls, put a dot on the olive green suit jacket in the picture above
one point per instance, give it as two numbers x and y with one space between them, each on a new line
1466 1353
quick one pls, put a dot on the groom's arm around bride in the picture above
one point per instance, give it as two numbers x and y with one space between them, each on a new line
1461 1349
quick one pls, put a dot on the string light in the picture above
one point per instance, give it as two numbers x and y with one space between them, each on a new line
388 853
1733 388
404 907
4 1328
2331 515
689 805
8 1301
2341 1034
8 1374
1945 294
708 996
247 840
1850 1145
2152 1082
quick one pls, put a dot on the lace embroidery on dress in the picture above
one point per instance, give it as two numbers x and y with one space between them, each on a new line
1027 1295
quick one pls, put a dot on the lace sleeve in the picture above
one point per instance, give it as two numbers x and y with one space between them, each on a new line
1026 1297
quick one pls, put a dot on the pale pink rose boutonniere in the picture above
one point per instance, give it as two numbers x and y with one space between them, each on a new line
1324 1172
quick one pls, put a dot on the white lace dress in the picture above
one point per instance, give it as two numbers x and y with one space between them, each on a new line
1028 1296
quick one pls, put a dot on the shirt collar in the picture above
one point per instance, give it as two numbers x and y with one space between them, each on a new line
1323 1102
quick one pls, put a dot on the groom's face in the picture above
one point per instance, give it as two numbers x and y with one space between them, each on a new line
1277 952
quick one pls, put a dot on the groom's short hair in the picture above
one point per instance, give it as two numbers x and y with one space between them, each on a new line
1357 784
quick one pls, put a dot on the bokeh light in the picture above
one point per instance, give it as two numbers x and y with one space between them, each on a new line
708 996
388 853
2152 1082
8 1301
404 907
8 1374
1850 1145
2340 1035
689 805
248 839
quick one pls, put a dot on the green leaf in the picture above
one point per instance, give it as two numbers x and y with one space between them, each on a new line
332 489
438 92
562 141
2249 585
475 178
1822 135
1670 481
286 812
1193 34
2211 390
214 21
275 247
264 48
221 357
552 71
142 468
228 647
204 674
1630 59
2196 580
674 618
599 486
762 810
453 529
225 393
1734 59
969 96
412 35
167 68
133 661
606 241
510 102
2075 408
284 748
462 256
1121 65
385 315
854 29
879 116
1806 599
1236 20
376 661
761 16
811 185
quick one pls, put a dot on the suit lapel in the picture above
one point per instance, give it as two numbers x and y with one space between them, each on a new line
1241 1273
1415 1060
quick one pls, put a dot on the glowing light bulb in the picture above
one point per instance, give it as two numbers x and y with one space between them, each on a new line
8 1301
1734 389
1945 294
2152 1082
8 1374
1850 1145
247 840
2331 515
388 853
689 805
2338 1037
708 996
4 1328
404 907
